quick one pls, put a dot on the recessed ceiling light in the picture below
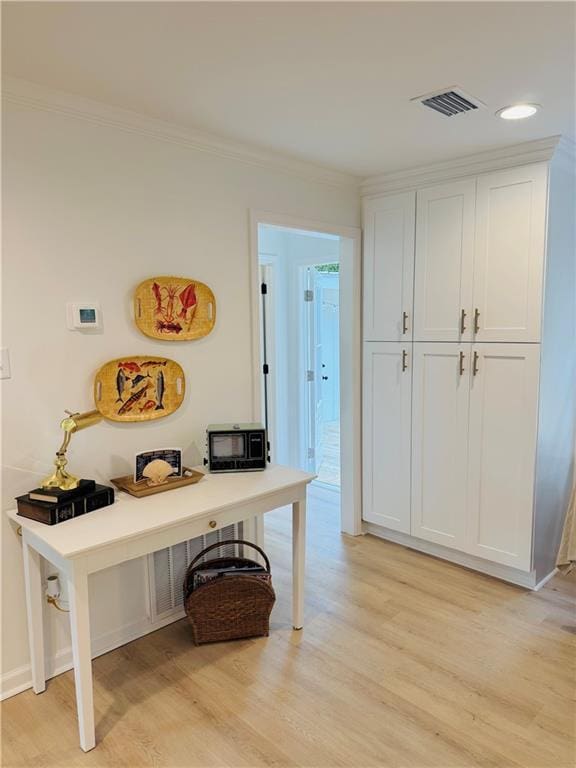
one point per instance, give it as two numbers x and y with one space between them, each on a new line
518 111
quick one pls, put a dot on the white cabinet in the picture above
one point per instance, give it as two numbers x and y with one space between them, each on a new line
386 434
444 262
509 254
485 478
389 267
502 450
441 390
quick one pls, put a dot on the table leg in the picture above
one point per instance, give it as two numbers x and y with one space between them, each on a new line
298 560
82 654
35 610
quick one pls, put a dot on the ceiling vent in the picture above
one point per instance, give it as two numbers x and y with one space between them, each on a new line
449 101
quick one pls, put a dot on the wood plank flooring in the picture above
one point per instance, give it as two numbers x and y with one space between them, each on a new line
404 661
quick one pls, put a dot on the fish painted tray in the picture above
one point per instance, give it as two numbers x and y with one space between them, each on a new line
174 308
139 388
140 488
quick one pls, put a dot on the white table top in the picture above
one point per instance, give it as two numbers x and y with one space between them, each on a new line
129 516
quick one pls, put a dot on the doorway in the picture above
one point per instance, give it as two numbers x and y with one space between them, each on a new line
321 352
307 351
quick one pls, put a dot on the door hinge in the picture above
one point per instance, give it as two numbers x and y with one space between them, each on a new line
308 295
263 289
309 375
265 369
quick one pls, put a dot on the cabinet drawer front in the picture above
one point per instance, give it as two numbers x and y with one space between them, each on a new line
441 391
509 254
386 434
503 425
444 262
389 267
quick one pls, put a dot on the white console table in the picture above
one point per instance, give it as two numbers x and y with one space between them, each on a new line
134 527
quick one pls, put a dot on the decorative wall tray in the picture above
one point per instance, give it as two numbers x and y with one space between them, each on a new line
174 308
141 489
139 388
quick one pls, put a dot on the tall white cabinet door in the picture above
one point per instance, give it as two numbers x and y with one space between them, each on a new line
441 389
503 425
386 434
509 254
389 267
444 262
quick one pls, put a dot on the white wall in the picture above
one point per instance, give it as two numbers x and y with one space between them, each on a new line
89 211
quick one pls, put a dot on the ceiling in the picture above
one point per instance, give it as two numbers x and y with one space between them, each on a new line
326 82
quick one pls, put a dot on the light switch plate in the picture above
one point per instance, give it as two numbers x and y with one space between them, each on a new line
5 363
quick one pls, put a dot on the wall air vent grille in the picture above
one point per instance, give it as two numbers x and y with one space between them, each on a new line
168 566
449 102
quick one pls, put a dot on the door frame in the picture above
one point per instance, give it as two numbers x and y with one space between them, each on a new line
350 351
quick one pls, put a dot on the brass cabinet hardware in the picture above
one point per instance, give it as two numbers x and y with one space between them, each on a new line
212 523
476 320
461 364
462 320
475 363
404 322
404 360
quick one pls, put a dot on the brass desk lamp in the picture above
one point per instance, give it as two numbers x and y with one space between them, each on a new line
73 423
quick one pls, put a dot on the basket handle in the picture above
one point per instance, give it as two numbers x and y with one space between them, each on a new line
223 544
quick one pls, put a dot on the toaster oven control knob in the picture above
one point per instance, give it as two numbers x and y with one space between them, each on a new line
205 462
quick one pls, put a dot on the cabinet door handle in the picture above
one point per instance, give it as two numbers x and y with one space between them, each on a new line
461 364
476 320
475 364
462 320
404 360
404 322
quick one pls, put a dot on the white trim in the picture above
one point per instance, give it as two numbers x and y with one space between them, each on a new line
526 579
350 352
20 679
506 157
32 95
545 580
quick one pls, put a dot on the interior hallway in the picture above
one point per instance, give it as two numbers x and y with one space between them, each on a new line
404 660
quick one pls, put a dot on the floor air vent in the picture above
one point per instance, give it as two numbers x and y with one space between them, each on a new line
168 566
449 102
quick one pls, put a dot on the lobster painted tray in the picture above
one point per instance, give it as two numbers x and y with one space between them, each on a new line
174 308
139 388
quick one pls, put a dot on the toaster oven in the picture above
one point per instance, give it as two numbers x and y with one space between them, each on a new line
236 447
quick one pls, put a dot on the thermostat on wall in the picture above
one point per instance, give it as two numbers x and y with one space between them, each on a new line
84 316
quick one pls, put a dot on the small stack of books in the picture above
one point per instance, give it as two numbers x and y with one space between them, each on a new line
53 505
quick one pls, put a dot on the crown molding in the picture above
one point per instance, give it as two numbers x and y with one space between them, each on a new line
32 95
540 150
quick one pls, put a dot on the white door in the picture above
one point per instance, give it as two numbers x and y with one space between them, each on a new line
387 388
441 389
509 254
313 368
389 267
444 262
503 423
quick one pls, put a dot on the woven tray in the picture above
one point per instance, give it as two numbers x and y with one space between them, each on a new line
174 308
140 488
139 388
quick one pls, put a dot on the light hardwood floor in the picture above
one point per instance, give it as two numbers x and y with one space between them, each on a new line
404 661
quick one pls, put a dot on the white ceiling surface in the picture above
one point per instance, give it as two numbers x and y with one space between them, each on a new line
324 82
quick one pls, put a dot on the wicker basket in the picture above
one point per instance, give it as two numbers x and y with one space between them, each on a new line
229 608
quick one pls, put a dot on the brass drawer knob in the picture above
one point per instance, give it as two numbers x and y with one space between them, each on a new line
212 523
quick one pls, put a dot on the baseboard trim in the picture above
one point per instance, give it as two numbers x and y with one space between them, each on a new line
545 580
20 679
526 579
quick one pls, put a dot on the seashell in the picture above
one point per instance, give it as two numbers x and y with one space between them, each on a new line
157 472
